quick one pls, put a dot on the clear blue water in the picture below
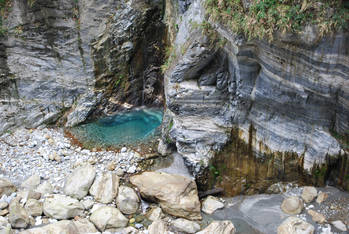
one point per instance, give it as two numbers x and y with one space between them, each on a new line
127 128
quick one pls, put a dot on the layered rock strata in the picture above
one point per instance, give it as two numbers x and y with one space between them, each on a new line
289 96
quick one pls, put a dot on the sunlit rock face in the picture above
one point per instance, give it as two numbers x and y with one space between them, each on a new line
292 92
62 60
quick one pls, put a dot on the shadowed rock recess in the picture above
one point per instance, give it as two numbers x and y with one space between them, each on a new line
276 111
63 60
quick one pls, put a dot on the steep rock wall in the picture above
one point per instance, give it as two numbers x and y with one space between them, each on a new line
54 53
292 92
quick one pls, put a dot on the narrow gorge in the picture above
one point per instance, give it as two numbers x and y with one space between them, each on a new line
174 116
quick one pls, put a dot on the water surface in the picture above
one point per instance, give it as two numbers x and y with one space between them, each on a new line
127 128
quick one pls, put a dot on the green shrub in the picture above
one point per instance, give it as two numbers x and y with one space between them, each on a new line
265 17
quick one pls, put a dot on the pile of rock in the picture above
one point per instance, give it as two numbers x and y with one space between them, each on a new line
94 202
48 152
294 205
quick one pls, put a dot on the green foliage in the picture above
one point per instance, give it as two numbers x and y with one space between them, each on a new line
170 56
31 2
342 139
4 8
265 17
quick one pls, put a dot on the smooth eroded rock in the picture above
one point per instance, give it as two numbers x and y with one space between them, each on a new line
61 227
186 226
107 217
339 225
80 181
5 226
85 226
219 227
44 188
292 205
316 216
211 204
309 193
154 213
31 183
294 225
321 197
177 195
6 187
33 207
127 200
158 227
105 187
62 207
18 216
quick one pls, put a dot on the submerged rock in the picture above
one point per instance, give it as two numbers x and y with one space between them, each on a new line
80 181
62 207
105 187
292 205
295 225
177 195
108 217
219 227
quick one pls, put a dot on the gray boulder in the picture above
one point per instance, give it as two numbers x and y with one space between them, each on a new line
309 194
107 217
105 187
186 226
80 181
31 183
292 205
85 226
6 187
18 216
127 200
44 188
295 225
61 227
5 226
211 204
177 195
62 207
219 227
158 227
33 207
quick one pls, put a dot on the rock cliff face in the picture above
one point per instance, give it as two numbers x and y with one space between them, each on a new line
288 96
68 58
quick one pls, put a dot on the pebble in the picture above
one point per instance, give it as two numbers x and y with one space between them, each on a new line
48 152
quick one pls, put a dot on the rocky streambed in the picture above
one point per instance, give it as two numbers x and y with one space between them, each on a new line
48 185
